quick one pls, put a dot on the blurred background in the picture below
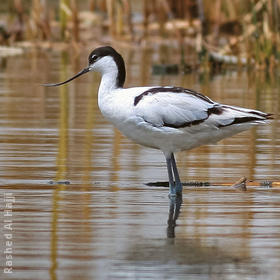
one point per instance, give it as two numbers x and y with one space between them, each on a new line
219 32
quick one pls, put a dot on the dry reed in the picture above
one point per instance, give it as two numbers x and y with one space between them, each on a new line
247 30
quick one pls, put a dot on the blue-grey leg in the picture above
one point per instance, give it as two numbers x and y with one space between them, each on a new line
172 191
178 184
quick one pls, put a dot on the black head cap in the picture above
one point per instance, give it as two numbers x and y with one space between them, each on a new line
109 51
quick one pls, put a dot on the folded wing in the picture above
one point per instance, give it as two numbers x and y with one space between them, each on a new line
179 108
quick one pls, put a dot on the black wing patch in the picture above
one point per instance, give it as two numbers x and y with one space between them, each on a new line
217 110
155 90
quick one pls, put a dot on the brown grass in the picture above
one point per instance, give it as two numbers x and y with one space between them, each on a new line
247 30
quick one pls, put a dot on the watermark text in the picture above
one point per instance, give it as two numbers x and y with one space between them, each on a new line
9 200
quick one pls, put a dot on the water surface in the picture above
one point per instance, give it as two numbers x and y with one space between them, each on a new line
82 208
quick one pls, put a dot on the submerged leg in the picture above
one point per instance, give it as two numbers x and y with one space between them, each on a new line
178 184
174 211
170 176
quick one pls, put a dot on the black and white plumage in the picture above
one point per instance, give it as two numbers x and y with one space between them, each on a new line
170 119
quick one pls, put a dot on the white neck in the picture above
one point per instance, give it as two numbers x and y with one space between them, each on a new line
108 82
109 71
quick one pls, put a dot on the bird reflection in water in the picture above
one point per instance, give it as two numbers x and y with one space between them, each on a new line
174 211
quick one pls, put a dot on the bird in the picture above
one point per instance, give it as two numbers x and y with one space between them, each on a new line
168 118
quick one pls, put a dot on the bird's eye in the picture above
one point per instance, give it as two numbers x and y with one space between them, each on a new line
93 58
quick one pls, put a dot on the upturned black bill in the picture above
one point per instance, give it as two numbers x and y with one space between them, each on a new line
69 80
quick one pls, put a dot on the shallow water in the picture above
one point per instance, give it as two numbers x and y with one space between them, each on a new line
81 206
